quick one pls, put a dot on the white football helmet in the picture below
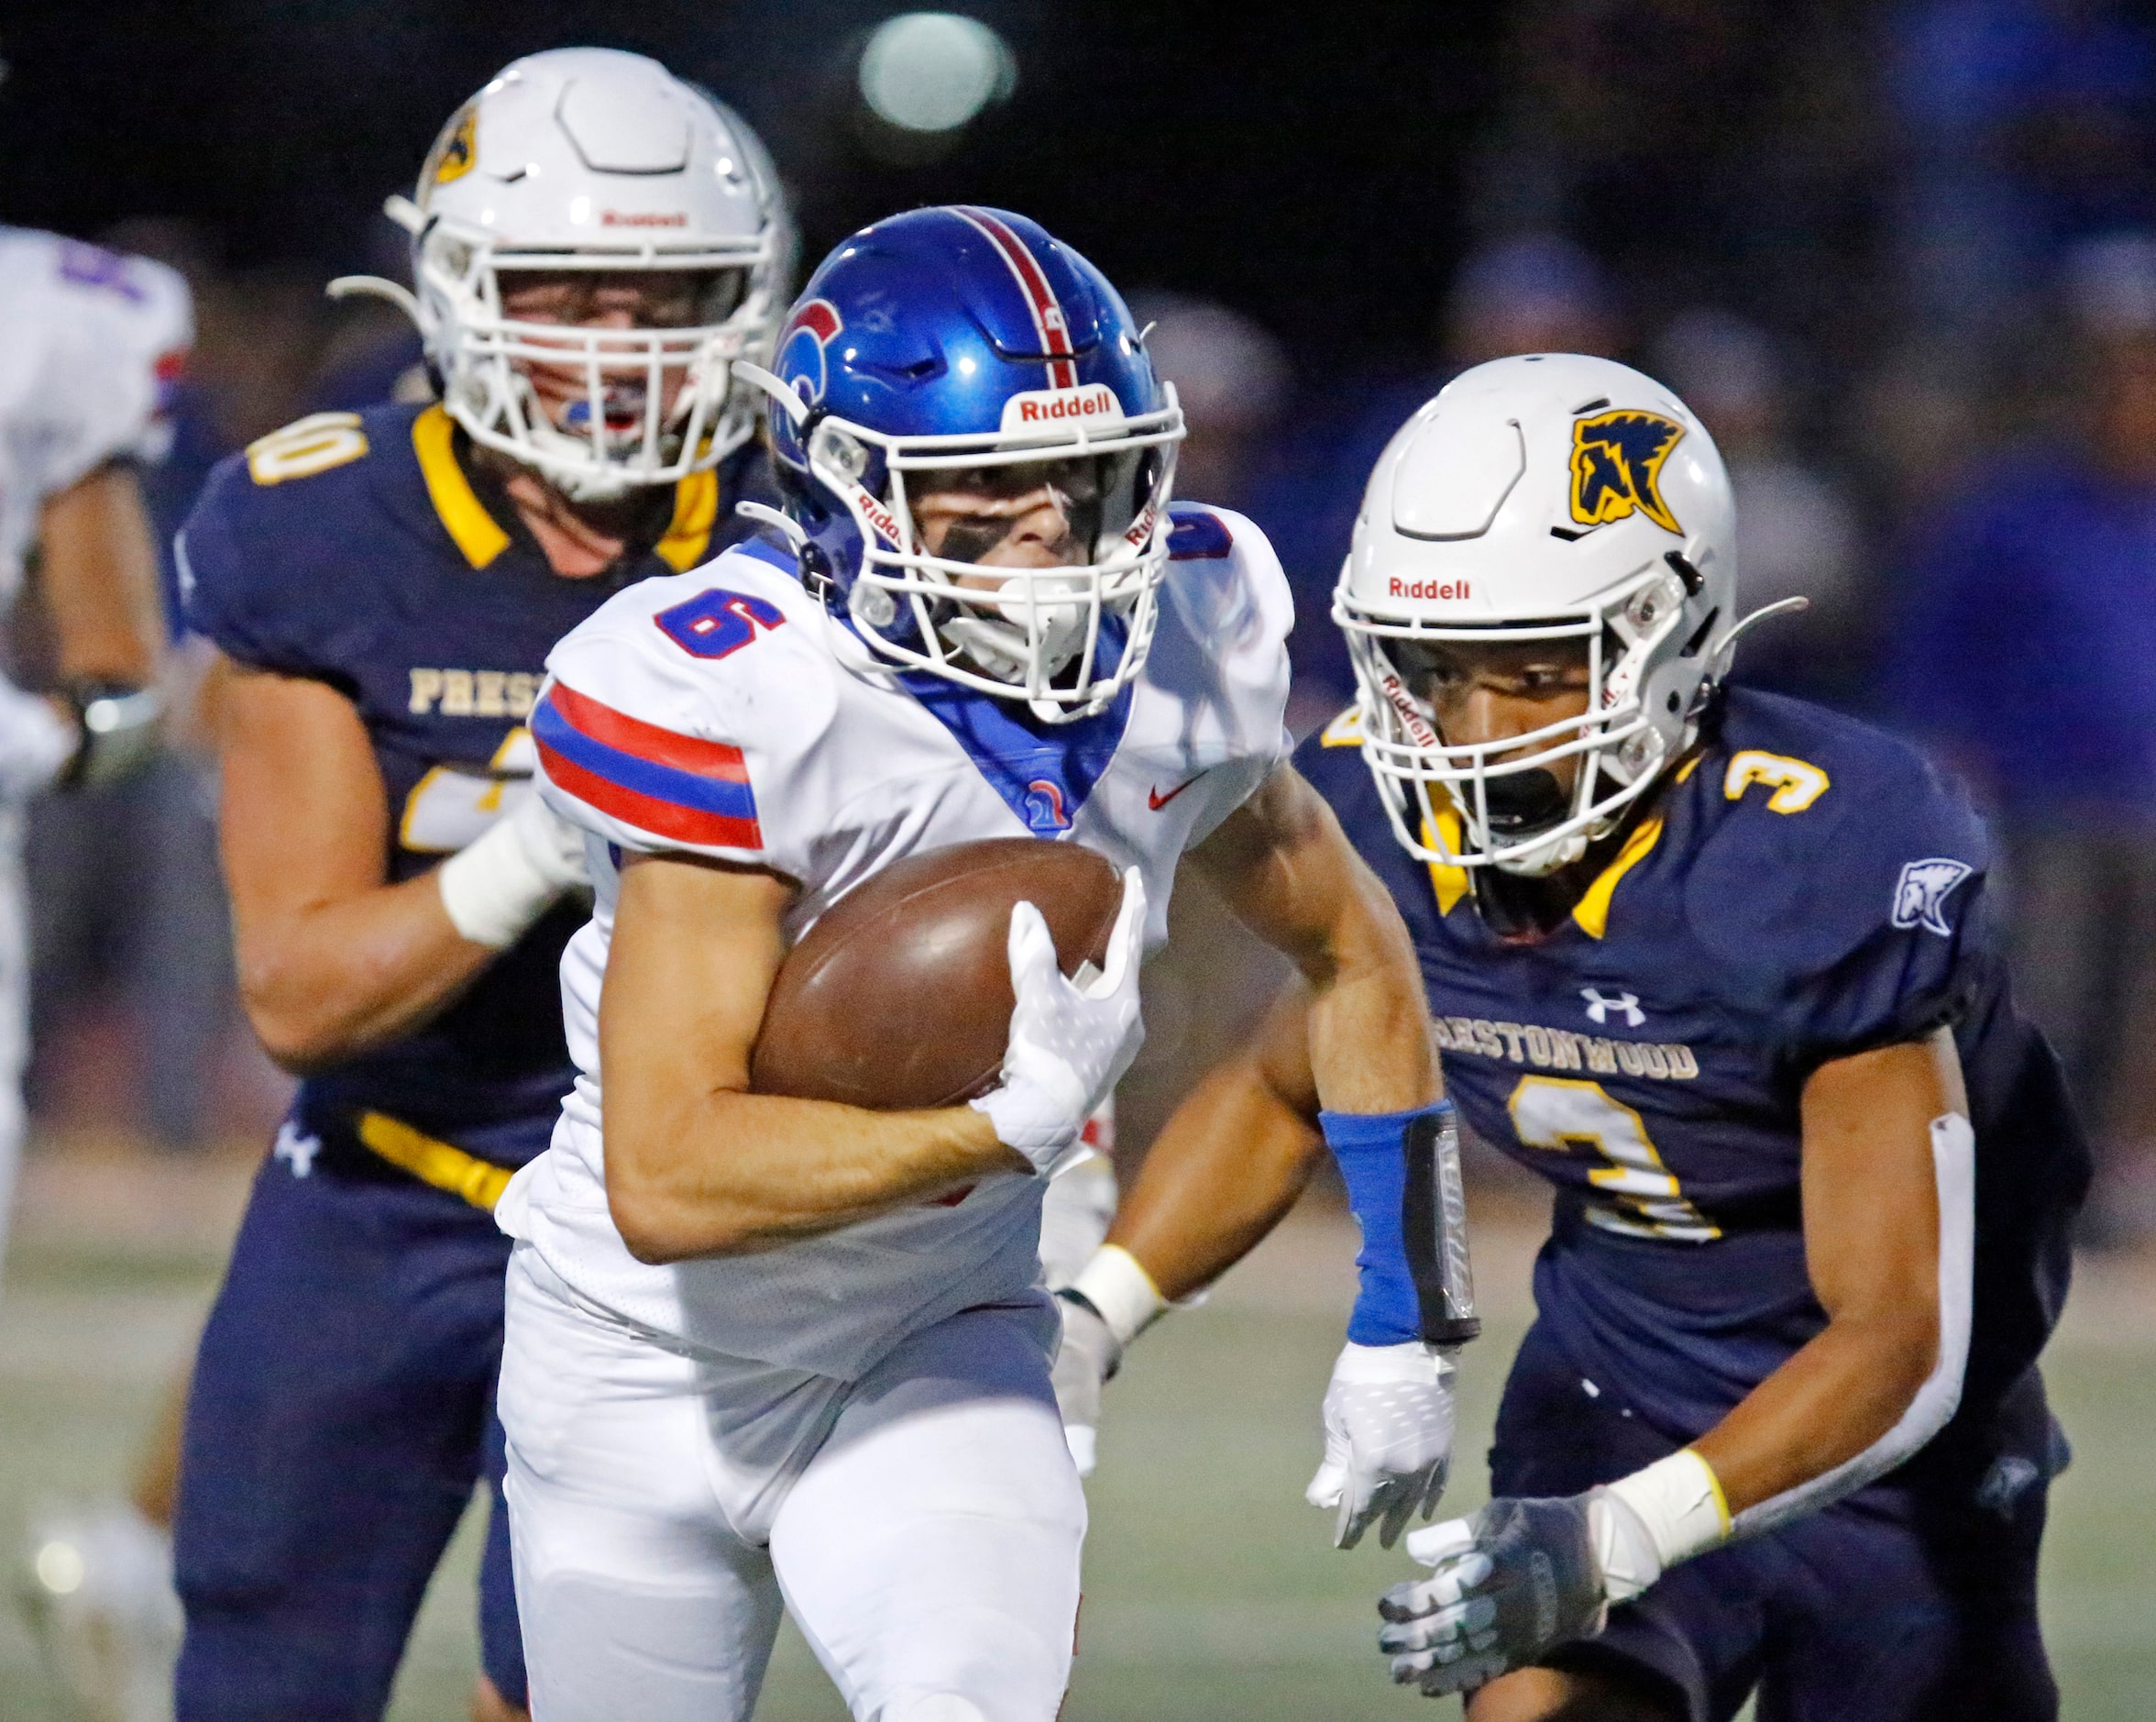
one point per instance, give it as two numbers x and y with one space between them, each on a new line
1552 497
586 158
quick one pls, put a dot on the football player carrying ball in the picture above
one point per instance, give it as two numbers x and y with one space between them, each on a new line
763 1345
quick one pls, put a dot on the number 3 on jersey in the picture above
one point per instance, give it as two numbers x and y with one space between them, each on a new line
1563 1113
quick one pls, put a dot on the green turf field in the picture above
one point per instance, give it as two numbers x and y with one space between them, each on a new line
1210 1591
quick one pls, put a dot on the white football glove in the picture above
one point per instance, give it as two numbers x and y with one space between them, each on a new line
1388 1430
498 885
1070 1044
36 742
1085 1362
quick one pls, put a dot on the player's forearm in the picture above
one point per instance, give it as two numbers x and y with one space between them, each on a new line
1834 1399
1229 1164
1369 1042
723 1172
98 572
330 981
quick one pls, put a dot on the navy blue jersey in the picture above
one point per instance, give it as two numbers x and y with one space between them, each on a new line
360 550
1804 888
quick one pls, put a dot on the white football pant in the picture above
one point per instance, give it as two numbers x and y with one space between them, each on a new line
922 1524
15 1005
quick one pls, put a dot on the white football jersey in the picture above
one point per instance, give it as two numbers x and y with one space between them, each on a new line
90 341
723 713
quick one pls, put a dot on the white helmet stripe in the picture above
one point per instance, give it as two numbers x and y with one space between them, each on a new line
1041 299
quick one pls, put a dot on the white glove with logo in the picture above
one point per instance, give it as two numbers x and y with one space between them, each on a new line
36 742
1070 1044
512 873
1388 1429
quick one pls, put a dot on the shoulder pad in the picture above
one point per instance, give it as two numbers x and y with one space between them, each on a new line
681 714
1344 731
107 336
1821 834
315 444
279 533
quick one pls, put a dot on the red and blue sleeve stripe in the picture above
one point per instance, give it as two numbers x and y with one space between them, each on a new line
655 780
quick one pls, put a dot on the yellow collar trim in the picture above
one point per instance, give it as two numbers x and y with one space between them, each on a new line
696 510
1592 911
480 536
1345 731
1450 883
463 515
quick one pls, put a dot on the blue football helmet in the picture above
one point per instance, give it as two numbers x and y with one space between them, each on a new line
977 457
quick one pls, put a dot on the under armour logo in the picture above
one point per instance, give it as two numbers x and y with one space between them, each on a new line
297 1147
2010 1478
1625 1004
1920 894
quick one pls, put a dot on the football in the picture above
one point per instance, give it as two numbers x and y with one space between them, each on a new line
900 995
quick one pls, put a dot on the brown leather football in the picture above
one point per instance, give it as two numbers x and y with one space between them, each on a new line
900 995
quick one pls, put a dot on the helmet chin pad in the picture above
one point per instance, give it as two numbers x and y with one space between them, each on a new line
999 648
1543 859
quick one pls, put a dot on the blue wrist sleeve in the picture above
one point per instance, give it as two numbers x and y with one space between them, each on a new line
1388 1161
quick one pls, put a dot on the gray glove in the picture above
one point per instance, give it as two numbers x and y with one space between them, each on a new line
1513 1580
1088 1358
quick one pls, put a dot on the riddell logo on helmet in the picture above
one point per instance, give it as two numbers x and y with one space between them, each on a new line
1430 589
878 515
641 219
1041 409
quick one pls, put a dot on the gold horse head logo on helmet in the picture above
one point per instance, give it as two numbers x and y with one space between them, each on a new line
1617 467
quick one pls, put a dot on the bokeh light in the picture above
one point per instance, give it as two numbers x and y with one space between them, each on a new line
933 72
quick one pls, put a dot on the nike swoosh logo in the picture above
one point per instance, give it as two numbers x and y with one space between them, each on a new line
1156 801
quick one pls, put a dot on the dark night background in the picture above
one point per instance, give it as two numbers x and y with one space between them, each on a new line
1900 256
1231 153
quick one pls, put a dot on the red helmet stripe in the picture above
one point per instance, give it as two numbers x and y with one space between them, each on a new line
1048 310
819 317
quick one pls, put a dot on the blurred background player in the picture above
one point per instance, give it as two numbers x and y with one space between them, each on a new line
1715 963
91 346
594 242
91 343
2024 653
757 1342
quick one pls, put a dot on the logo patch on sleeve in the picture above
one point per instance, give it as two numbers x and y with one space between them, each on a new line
1920 894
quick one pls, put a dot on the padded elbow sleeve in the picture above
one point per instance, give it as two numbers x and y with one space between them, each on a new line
1954 1166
